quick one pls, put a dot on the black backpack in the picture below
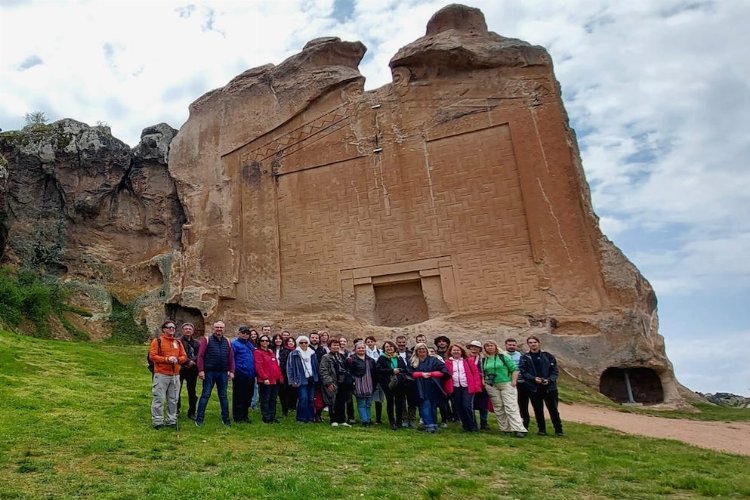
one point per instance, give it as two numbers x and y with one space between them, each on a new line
148 354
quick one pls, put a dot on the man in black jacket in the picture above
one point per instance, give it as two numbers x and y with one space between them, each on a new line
538 369
189 369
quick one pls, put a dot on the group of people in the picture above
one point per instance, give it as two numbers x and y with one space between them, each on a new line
315 372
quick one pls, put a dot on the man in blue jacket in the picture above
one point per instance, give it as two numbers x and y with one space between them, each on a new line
243 385
538 370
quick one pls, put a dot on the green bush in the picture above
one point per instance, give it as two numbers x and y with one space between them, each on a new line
124 329
27 296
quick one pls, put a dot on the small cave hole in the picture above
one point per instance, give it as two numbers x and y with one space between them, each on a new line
181 314
645 385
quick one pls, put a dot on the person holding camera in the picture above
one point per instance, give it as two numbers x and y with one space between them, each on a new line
539 375
500 379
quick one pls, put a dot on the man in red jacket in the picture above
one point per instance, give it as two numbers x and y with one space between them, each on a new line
167 353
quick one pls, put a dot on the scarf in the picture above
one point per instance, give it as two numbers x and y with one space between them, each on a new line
306 357
373 353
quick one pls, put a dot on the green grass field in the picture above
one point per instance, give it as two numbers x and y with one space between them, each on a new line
75 423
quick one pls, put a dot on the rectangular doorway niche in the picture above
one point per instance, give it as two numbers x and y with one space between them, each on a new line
400 304
402 293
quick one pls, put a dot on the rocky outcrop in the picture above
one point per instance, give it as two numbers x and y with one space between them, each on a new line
727 399
450 201
79 204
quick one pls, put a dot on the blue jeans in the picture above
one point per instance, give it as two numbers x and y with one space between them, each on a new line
305 402
221 380
428 413
363 408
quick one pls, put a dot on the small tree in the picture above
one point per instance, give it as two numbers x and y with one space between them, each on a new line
35 118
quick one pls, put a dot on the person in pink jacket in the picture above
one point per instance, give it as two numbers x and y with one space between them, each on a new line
463 383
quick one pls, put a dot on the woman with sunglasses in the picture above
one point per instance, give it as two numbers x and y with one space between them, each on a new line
302 375
269 379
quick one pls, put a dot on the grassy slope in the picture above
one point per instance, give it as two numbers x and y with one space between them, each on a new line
75 423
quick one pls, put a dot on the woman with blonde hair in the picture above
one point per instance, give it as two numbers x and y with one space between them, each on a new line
428 373
500 379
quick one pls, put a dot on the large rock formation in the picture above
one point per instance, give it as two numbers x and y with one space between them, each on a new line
450 201
80 204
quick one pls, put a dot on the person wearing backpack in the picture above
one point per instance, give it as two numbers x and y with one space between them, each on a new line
166 353
500 378
189 369
215 367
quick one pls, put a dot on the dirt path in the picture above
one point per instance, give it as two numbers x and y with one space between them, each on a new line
731 437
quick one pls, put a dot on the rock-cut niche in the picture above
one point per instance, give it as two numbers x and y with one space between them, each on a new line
645 385
400 304
181 314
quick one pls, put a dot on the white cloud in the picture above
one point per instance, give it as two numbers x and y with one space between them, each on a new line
726 355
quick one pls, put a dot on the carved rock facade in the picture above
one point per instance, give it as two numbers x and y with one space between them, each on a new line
449 201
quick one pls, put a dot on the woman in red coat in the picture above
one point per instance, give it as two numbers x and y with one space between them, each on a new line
463 383
269 378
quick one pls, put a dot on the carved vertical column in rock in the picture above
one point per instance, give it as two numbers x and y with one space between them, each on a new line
257 256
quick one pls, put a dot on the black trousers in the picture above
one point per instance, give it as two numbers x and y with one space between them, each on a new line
412 400
523 404
267 395
394 400
242 393
288 398
189 377
463 404
539 400
343 395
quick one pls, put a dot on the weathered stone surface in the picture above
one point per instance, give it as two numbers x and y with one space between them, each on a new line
77 203
451 200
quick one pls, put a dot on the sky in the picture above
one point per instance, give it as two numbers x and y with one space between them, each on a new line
658 93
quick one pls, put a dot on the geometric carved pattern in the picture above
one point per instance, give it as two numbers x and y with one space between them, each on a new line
295 139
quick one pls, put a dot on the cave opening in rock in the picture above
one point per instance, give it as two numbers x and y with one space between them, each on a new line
181 314
400 304
645 385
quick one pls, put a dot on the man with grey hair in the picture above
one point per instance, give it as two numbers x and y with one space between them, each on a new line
215 367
